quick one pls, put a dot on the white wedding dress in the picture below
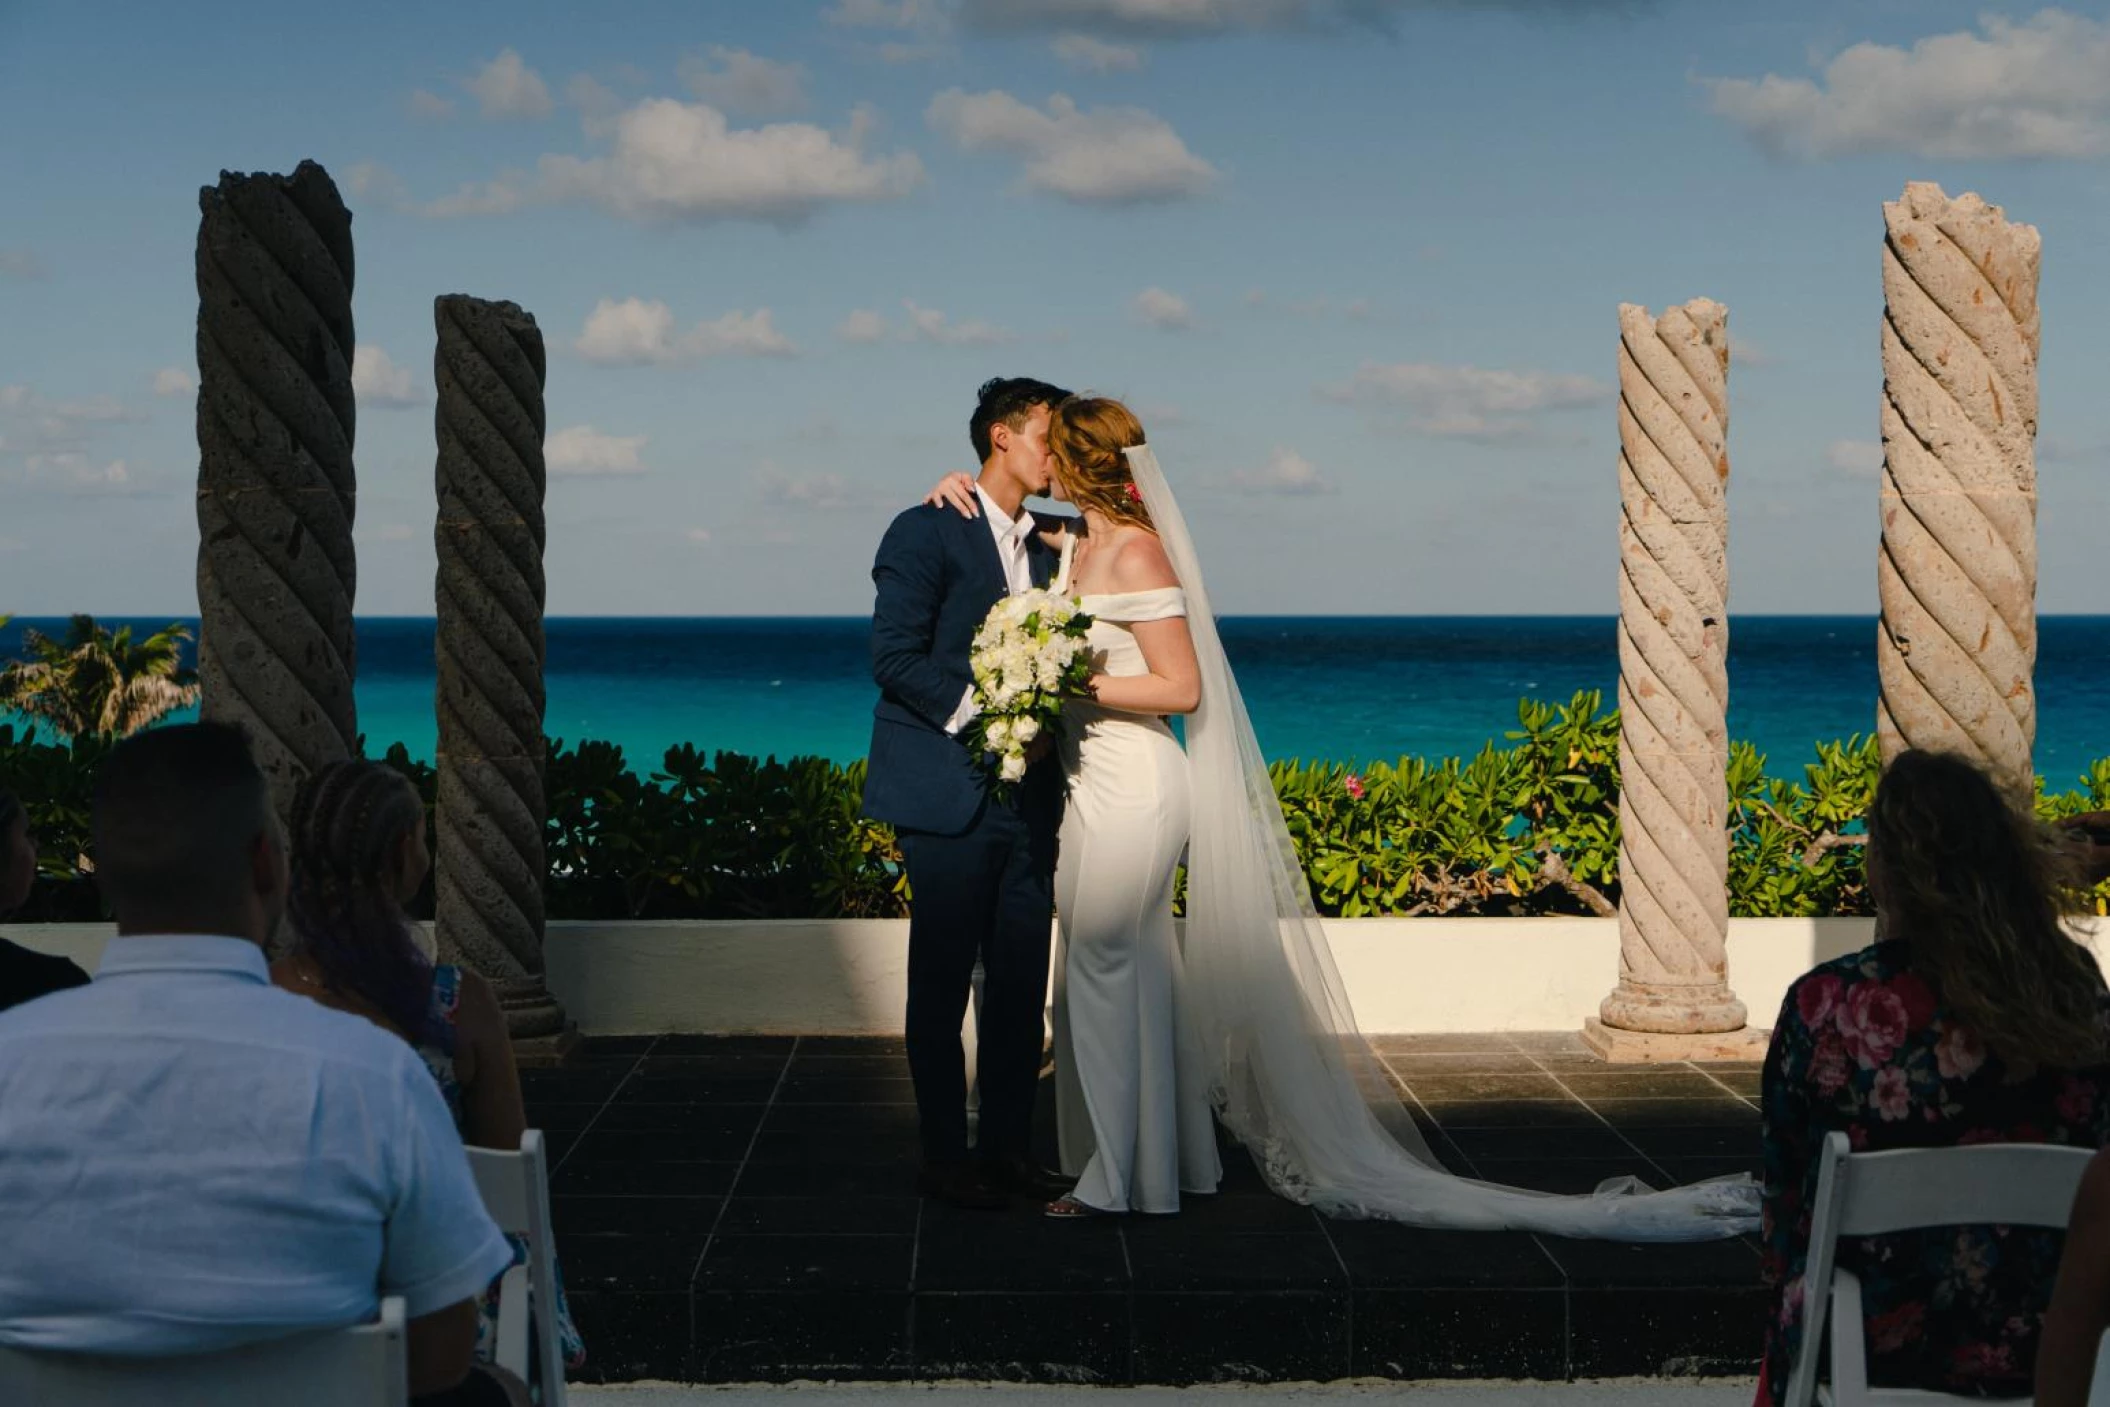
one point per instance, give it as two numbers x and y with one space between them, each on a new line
1256 1004
1132 1110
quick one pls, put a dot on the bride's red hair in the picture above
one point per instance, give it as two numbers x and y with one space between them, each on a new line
1086 436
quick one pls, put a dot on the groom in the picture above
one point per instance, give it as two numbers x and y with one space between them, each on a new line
981 868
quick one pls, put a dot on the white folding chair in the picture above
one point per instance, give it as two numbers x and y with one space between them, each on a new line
2099 1385
1874 1194
365 1365
515 1188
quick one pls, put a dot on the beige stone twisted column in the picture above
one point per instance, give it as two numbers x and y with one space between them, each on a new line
1957 648
489 369
276 488
1673 1000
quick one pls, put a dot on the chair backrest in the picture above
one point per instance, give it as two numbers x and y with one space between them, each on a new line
365 1365
2099 1385
515 1189
1874 1194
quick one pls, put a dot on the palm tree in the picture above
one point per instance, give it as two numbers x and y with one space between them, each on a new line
99 682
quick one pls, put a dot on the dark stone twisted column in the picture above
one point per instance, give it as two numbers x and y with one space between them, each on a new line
490 369
276 488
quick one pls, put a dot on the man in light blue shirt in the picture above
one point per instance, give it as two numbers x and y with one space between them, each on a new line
192 1159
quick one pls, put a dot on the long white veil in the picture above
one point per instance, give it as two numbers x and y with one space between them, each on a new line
1263 1006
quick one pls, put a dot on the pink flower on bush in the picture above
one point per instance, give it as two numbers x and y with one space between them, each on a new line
1891 1095
1958 1054
1814 999
1983 1360
2076 1100
1873 1021
1353 785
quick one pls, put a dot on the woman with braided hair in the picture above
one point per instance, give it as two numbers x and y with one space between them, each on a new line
24 974
359 856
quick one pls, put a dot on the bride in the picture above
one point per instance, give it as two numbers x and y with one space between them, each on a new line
1247 1017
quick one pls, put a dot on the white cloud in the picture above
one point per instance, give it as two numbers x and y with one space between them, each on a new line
175 381
825 493
1467 402
1105 156
699 535
75 474
1861 458
582 451
370 180
1193 19
430 107
20 263
635 332
1745 353
1354 309
670 160
1160 309
379 383
863 325
734 80
917 15
923 21
386 532
1287 473
507 87
36 424
2017 89
930 325
595 100
1083 52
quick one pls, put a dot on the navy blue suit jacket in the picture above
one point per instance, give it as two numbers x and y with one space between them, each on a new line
937 575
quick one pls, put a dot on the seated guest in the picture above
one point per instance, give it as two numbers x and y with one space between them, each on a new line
191 1159
359 858
24 973
1974 1018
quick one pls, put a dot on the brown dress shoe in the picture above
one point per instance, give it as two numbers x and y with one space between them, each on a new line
959 1185
1022 1177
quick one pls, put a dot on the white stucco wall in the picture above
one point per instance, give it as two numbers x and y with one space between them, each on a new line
849 976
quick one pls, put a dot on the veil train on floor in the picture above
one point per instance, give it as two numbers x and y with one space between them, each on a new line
1266 1026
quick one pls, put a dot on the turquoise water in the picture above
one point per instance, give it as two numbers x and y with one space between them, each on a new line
1350 689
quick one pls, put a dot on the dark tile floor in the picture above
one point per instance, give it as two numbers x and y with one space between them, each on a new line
743 1208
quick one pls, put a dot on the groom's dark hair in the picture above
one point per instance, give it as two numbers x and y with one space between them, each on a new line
1008 400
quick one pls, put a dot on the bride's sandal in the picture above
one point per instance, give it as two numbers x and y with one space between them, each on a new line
1070 1209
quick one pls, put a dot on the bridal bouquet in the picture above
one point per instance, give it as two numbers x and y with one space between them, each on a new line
1029 653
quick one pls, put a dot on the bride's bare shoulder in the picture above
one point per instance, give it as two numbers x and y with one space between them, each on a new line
1140 564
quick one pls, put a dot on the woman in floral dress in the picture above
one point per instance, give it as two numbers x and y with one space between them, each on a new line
359 857
1974 1018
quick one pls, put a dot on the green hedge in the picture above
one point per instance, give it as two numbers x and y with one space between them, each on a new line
1531 827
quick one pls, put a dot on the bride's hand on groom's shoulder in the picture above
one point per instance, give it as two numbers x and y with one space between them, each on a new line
955 491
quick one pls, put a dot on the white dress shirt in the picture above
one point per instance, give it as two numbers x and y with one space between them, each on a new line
1011 535
192 1159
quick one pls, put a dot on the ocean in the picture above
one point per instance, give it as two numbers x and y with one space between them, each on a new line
1340 688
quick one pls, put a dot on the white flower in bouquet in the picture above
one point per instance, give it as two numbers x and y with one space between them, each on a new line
1029 653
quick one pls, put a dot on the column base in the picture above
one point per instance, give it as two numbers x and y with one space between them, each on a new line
547 1052
1618 1047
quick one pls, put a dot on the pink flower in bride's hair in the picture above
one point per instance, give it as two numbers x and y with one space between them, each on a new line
1135 495
1353 785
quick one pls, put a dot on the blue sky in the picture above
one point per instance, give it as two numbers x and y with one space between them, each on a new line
1357 262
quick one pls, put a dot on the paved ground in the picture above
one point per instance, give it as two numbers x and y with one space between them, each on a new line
1622 1393
741 1209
